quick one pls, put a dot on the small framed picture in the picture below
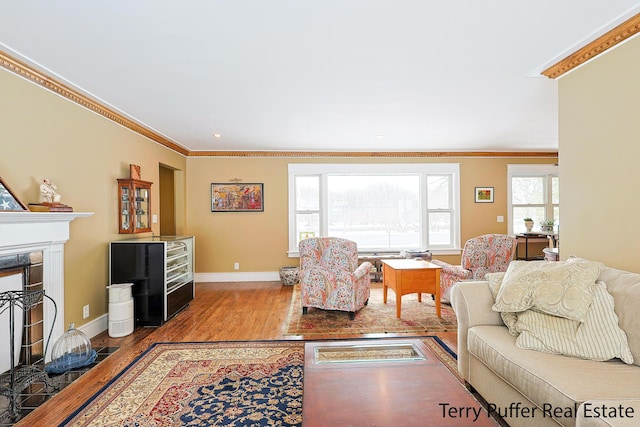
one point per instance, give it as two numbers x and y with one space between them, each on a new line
8 200
484 194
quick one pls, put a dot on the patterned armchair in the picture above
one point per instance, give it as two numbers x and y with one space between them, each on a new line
330 277
481 255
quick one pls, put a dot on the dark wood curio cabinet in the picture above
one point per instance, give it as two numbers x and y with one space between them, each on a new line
134 201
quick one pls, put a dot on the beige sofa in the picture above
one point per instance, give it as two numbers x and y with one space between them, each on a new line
533 388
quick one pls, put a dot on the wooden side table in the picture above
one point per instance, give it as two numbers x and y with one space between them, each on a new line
407 276
376 264
526 239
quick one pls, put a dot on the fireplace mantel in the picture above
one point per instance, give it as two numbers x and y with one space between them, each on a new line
31 228
18 217
22 232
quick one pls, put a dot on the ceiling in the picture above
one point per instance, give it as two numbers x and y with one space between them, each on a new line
330 75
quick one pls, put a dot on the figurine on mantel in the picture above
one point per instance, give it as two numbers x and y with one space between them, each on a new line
49 199
48 193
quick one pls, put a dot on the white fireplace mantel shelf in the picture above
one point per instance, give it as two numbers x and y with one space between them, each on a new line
22 232
28 229
10 216
14 217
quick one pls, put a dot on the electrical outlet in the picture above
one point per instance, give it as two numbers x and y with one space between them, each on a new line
85 311
500 218
236 266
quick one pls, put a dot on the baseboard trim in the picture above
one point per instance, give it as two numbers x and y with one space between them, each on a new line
96 326
256 276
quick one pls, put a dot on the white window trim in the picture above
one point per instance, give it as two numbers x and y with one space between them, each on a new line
323 169
527 170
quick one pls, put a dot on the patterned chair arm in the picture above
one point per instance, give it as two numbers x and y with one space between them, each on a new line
362 270
453 270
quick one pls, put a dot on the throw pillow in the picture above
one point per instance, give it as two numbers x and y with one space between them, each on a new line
560 288
598 338
509 318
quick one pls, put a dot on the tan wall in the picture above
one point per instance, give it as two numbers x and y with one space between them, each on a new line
258 241
599 153
44 135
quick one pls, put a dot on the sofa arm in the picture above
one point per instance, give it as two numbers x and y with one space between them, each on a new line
471 301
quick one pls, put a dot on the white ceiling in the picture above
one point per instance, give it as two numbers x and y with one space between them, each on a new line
323 75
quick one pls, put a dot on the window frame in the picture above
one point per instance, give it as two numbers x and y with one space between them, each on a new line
323 170
547 171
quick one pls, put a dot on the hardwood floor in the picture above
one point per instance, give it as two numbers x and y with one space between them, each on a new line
220 312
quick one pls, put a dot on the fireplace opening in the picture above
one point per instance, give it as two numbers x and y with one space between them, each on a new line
23 272
10 279
22 332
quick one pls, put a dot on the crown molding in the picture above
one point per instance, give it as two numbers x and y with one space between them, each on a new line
545 154
31 74
617 35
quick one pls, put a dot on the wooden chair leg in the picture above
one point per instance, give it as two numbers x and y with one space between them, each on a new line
352 315
304 310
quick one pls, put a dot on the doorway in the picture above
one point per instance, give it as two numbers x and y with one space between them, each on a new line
167 201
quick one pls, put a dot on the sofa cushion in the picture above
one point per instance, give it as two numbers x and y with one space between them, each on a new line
509 318
597 338
550 380
562 288
624 286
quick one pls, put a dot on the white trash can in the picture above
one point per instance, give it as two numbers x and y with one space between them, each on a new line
121 320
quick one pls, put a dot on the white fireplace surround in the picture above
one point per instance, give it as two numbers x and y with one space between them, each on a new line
22 232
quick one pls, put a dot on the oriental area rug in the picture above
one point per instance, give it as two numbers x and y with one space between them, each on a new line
375 318
203 384
235 383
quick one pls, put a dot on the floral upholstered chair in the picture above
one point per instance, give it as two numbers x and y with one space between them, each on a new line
481 255
330 277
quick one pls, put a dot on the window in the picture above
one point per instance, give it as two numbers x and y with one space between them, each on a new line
382 207
534 192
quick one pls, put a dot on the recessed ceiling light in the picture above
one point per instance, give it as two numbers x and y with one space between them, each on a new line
380 136
217 135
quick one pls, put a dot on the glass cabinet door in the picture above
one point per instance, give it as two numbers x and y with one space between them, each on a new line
142 208
125 208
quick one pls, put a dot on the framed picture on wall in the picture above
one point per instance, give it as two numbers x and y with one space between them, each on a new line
8 200
230 197
484 194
